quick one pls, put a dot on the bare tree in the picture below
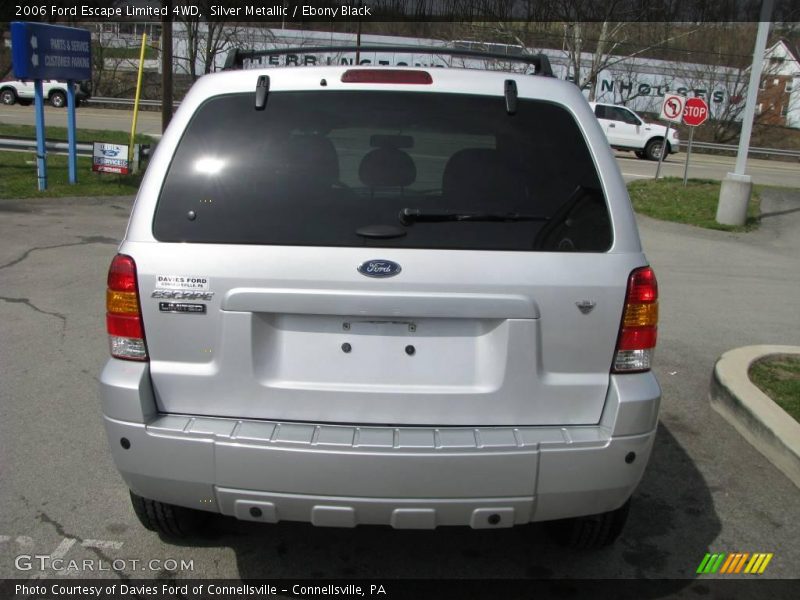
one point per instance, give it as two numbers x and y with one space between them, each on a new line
608 49
204 40
5 55
633 83
725 91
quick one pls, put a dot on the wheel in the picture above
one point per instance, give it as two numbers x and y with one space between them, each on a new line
58 99
8 96
653 149
640 154
593 531
167 519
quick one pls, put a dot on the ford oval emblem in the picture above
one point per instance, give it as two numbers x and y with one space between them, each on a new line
379 268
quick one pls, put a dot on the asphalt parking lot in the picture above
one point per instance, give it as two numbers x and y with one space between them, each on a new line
706 489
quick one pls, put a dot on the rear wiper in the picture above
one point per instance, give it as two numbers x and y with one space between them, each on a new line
417 215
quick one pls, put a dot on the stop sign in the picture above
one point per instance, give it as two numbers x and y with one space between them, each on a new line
695 112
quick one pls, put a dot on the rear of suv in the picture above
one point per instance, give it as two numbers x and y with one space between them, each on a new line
388 296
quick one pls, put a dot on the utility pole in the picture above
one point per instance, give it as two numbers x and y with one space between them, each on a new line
166 66
358 42
734 195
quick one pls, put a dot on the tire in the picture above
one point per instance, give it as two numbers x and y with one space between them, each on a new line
58 99
653 149
167 519
593 531
8 96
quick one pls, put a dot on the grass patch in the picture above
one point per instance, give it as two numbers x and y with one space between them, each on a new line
82 135
125 52
19 178
778 377
696 204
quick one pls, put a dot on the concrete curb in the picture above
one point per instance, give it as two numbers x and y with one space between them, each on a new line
760 421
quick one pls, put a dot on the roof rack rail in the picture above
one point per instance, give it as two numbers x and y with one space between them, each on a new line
541 64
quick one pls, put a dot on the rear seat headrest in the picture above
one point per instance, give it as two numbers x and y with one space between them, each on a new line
313 156
387 167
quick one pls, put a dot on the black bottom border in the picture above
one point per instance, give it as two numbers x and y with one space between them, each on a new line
73 588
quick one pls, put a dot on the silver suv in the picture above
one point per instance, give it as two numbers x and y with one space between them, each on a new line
397 296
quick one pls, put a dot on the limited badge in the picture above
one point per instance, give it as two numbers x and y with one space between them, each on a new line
181 307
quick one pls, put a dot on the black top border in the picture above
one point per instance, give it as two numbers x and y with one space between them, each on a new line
289 12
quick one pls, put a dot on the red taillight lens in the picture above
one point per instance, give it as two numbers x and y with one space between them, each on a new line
387 76
123 311
642 287
124 326
639 327
122 274
637 338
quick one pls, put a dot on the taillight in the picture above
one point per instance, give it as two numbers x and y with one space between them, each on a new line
123 312
639 327
386 76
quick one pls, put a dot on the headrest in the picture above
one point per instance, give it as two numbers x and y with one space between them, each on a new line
387 167
480 174
313 156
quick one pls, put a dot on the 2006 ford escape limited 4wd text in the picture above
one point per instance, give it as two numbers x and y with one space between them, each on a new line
399 296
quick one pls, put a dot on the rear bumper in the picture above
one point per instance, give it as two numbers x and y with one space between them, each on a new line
406 477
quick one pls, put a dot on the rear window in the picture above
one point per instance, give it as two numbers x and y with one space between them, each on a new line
336 168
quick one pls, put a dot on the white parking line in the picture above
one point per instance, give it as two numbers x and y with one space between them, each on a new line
24 541
101 544
63 548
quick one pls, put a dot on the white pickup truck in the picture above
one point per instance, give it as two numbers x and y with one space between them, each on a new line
13 91
626 130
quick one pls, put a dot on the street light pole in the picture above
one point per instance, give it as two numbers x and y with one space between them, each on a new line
734 195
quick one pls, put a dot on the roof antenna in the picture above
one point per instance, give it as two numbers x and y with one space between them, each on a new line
262 89
511 96
233 60
543 68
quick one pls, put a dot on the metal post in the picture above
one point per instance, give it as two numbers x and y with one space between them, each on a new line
166 66
663 150
136 98
72 159
752 87
41 152
688 154
734 194
358 42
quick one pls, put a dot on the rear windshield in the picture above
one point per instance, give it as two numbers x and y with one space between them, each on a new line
386 169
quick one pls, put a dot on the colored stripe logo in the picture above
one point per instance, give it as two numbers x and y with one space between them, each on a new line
735 563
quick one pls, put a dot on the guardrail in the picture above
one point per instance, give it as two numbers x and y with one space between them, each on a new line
86 149
734 148
22 144
125 101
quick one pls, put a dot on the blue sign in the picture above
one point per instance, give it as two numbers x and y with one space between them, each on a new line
40 51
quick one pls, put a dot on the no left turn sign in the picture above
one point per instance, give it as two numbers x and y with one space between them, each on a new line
672 108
